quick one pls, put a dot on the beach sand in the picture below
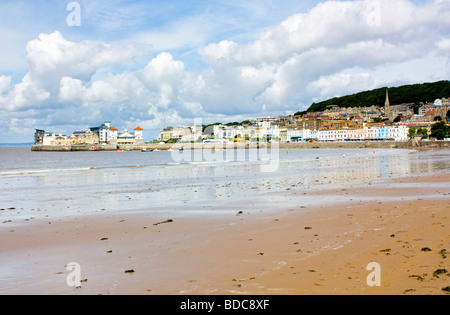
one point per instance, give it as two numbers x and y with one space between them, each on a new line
402 224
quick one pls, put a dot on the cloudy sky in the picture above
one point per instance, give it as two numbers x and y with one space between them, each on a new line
158 63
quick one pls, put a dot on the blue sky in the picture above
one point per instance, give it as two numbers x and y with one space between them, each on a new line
202 21
168 62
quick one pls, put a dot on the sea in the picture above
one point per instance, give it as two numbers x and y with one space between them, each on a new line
56 185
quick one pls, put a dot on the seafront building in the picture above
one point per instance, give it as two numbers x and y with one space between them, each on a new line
253 133
190 133
103 134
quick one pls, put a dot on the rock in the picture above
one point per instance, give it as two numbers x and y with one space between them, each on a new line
439 272
167 221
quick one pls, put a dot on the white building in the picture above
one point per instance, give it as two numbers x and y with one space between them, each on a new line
228 132
103 132
306 134
139 135
398 133
50 138
296 135
112 135
371 132
357 134
272 133
128 138
109 135
265 122
332 135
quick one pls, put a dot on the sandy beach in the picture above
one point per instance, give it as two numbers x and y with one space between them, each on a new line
402 224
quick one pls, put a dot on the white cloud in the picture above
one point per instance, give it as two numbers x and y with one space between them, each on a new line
332 85
25 95
70 90
52 58
163 69
52 55
5 84
444 45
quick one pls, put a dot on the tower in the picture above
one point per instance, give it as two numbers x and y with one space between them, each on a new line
387 105
112 135
138 135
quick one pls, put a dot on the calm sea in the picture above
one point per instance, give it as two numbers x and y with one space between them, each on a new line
49 185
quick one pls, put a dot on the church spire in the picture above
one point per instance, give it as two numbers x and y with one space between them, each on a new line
387 106
387 103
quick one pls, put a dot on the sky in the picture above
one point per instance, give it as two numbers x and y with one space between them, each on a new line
70 65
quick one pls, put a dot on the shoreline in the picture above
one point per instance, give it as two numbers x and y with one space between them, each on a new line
300 145
267 252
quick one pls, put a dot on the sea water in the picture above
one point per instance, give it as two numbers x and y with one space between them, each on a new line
51 185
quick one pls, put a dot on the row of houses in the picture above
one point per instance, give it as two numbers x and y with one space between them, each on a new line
263 132
103 134
284 134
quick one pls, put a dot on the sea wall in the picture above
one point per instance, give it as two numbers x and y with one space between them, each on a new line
69 148
412 144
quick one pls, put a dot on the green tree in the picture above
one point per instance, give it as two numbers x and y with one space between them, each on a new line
411 132
439 130
301 113
377 119
423 132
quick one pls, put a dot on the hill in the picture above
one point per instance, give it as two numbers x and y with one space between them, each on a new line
414 93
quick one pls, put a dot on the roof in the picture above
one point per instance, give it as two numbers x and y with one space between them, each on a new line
114 129
138 128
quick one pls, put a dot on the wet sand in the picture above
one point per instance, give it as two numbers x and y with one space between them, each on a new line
402 224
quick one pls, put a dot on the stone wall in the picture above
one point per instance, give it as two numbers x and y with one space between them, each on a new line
412 144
